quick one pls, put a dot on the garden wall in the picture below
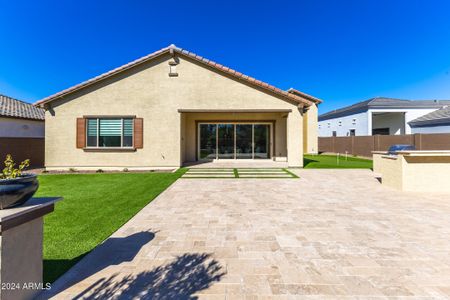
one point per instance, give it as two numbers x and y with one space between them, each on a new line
364 145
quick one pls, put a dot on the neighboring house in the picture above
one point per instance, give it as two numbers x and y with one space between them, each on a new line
380 115
19 119
437 121
173 107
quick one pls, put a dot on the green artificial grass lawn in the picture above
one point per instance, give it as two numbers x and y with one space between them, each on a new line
331 162
94 206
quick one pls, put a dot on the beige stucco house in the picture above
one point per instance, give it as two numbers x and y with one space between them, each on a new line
172 107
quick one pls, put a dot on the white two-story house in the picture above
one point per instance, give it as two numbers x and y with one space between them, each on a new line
385 116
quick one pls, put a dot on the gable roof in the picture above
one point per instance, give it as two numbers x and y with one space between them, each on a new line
437 117
13 108
382 102
300 99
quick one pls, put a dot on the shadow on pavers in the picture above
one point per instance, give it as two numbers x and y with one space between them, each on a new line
180 279
113 251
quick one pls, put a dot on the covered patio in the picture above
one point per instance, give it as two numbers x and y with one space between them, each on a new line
241 138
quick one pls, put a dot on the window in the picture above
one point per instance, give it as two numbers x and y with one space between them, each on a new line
329 124
352 132
334 133
340 123
354 121
109 132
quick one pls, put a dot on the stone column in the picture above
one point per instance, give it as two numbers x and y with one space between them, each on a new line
21 236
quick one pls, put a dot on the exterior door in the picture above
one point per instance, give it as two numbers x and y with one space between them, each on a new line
234 141
225 141
261 137
208 141
244 141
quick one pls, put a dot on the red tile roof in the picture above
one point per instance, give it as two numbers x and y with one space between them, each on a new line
300 98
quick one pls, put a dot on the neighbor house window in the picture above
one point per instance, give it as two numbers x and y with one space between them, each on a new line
352 132
109 132
354 121
334 133
340 123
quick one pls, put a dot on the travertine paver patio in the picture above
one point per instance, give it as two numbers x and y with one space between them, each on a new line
331 234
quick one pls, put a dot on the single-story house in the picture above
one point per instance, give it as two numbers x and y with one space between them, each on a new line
381 115
437 121
19 119
172 107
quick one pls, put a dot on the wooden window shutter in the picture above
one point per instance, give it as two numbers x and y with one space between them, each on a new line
81 133
138 133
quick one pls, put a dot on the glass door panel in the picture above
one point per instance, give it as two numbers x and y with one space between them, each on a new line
225 141
261 141
208 138
244 141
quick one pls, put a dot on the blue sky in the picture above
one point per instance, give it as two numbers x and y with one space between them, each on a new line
340 51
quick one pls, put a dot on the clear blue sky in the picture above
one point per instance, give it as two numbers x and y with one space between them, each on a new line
340 51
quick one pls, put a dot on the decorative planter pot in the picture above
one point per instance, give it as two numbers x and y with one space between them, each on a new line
17 191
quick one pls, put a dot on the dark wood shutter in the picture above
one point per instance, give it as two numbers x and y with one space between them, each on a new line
81 133
138 133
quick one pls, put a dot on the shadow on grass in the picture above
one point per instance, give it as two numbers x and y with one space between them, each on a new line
54 268
180 279
307 161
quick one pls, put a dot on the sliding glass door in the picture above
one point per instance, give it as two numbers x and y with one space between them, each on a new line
234 141
261 137
244 148
225 141
208 141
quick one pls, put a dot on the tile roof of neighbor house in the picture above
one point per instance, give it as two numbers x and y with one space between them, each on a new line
13 108
382 102
303 99
437 117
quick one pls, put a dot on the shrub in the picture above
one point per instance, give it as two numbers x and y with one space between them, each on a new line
99 171
72 170
9 172
125 169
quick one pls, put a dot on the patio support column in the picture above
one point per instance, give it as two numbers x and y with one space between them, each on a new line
294 138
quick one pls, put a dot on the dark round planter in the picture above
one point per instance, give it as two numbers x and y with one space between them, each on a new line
17 191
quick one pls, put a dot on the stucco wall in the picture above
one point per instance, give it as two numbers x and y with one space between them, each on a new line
356 121
12 127
362 122
414 173
431 129
426 174
310 130
391 170
394 121
149 93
